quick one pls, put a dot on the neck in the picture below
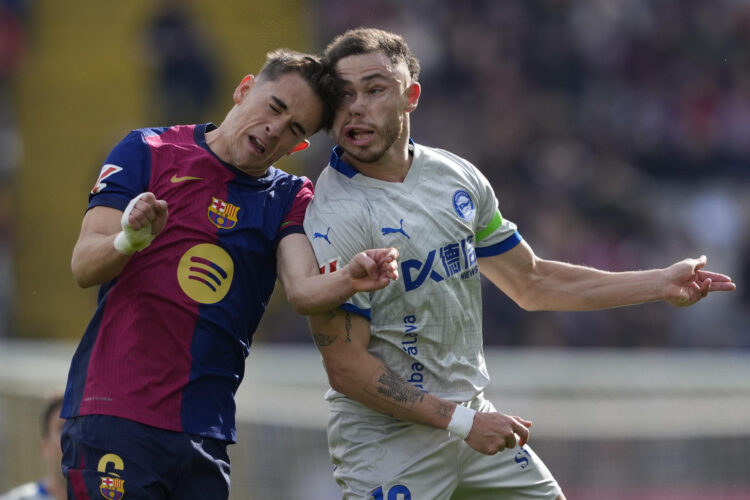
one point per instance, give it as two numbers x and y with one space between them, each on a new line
393 166
214 143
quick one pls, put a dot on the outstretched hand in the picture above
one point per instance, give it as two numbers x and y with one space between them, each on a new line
688 282
373 269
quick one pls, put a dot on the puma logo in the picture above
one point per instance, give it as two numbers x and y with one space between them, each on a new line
324 236
391 230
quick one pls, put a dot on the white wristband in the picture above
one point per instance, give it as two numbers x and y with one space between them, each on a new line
461 421
129 240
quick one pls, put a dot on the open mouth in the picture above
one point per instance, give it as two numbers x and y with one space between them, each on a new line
257 145
359 136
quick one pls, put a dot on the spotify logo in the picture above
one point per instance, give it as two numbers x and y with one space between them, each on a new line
205 273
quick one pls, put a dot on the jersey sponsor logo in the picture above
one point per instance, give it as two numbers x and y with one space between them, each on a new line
111 486
456 258
205 273
175 179
410 345
106 171
330 267
464 205
222 214
323 236
393 230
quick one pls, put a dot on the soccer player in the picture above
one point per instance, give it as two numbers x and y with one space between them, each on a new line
186 231
52 485
405 363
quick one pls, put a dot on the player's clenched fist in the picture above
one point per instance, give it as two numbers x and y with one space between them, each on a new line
494 432
142 220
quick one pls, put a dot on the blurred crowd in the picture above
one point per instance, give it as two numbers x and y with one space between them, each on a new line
614 132
13 48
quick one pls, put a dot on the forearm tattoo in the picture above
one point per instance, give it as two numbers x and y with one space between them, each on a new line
392 387
443 410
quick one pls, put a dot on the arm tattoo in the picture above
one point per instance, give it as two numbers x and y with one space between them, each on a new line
392 387
324 340
348 327
443 410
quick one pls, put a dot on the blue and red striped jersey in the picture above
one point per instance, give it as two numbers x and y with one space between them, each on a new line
167 344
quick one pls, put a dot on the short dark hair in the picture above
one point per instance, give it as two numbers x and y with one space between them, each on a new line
365 40
51 410
310 67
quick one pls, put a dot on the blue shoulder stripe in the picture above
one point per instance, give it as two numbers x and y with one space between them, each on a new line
349 307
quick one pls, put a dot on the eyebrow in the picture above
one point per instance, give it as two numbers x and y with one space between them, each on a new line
283 106
375 76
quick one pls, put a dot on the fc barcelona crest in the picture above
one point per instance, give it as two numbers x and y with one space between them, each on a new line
222 214
112 488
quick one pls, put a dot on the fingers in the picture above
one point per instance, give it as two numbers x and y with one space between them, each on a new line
722 287
160 207
370 266
383 255
701 262
522 431
494 432
385 263
147 210
142 212
702 275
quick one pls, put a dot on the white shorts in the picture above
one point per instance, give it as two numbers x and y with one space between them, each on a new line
381 458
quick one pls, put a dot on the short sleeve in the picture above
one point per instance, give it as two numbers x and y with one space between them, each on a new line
493 233
336 230
295 217
124 175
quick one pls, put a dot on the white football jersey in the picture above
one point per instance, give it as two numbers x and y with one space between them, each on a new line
427 326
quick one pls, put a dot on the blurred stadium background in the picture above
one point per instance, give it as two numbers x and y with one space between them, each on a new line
615 133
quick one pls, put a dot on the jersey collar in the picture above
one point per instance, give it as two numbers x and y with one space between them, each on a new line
337 162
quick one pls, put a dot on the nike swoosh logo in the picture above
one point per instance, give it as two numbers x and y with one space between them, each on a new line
175 179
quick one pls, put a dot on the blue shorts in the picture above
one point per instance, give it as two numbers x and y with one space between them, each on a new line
113 458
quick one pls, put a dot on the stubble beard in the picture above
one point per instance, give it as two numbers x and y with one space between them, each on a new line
391 132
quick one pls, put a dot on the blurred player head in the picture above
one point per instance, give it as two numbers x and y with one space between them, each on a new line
289 100
51 429
378 77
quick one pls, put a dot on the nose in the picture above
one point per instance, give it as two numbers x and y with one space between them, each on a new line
273 128
356 105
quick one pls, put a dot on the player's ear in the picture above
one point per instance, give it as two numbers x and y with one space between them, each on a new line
243 88
412 94
299 147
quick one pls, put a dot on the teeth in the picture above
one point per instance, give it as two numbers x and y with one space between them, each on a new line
258 143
